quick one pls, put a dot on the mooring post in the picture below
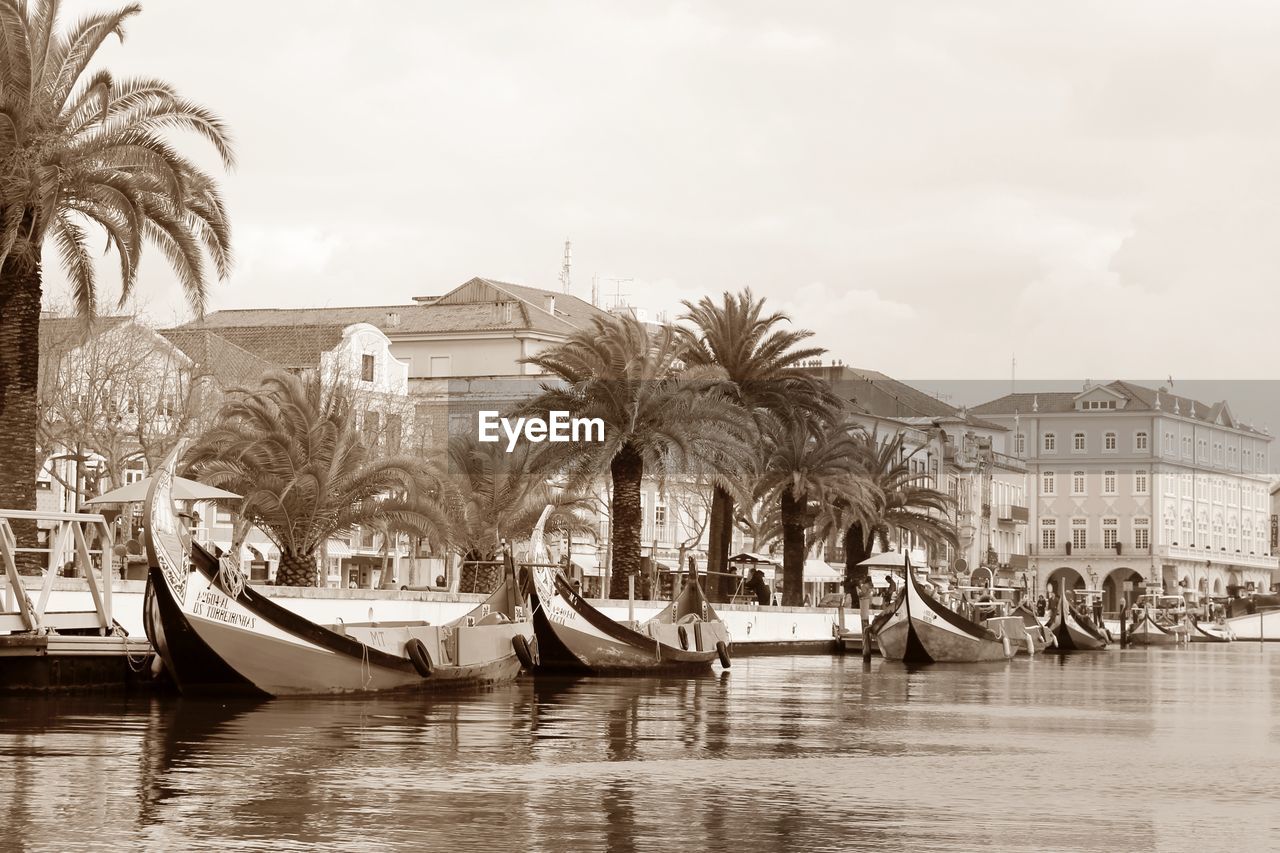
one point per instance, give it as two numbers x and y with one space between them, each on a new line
631 599
1124 628
864 613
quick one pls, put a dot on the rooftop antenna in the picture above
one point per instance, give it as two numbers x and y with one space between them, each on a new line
619 298
564 269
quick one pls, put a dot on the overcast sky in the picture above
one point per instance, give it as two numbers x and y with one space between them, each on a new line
1092 186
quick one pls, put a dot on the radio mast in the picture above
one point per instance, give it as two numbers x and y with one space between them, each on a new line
564 269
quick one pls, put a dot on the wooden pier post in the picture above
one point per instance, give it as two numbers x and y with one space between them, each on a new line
631 599
864 613
1124 627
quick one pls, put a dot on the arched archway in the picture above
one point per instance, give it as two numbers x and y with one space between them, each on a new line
1067 575
1117 588
1217 586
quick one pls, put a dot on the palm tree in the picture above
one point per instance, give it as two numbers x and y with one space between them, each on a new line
292 449
756 357
82 150
656 420
493 496
898 499
808 465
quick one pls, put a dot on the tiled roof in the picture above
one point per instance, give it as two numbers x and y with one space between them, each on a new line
228 363
474 306
876 394
1139 397
59 334
293 346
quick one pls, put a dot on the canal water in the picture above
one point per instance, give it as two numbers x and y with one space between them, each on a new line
1135 750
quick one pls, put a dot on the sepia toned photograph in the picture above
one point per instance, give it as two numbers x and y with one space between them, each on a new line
564 426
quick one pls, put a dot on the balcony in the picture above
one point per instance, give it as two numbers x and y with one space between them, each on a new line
1221 557
1013 514
1127 551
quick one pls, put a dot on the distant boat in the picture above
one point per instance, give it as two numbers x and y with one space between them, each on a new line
1203 631
1159 620
918 628
1074 630
202 614
573 636
1041 637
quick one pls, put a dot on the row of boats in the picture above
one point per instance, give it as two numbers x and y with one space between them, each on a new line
216 633
926 625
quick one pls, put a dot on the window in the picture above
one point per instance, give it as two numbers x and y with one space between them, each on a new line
1233 454
1171 484
1047 485
1110 532
1109 442
1048 533
393 433
1140 441
1077 443
1186 446
1170 530
366 367
1050 442
1219 541
1262 461
1142 533
1139 482
660 520
1217 491
1077 483
1233 534
1021 444
1202 530
370 430
1248 458
1186 485
1187 534
1168 442
1109 482
1202 450
1079 533
1217 453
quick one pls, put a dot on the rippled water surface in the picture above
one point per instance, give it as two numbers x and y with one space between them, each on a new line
1115 751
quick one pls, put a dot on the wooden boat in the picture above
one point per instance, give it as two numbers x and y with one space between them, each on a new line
1073 630
1206 631
573 636
921 629
1160 620
204 612
1042 638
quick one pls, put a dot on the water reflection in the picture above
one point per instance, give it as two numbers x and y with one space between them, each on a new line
1135 750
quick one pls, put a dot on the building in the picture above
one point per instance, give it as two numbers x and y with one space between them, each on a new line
1138 486
962 454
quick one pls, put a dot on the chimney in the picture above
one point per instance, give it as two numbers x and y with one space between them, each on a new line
393 319
549 303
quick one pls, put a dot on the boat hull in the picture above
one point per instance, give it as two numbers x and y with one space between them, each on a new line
1073 634
921 629
1148 633
283 654
1202 632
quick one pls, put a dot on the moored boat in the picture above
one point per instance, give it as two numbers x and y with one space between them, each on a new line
204 612
573 636
1073 630
1205 631
921 629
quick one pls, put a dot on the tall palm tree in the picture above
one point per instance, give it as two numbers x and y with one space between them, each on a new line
292 449
808 465
757 358
656 420
898 499
81 150
492 496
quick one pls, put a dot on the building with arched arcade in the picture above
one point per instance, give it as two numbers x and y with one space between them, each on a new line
1137 486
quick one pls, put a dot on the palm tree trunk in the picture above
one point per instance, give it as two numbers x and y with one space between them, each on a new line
297 569
856 550
627 471
721 525
792 550
19 379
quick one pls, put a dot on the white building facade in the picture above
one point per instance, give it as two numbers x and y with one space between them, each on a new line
1138 487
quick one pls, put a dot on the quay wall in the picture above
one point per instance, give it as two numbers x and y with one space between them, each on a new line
750 626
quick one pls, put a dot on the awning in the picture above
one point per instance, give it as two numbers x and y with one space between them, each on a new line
339 549
818 571
587 563
895 559
183 490
752 559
